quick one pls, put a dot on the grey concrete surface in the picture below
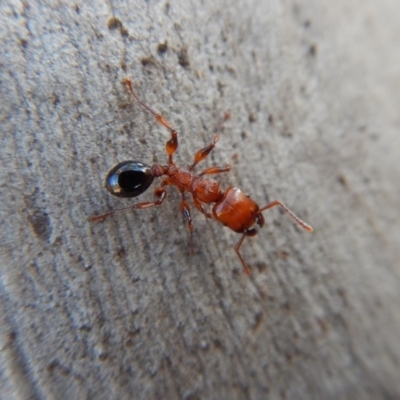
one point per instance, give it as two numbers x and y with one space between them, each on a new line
121 309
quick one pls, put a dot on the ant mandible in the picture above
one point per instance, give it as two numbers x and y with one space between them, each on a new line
231 207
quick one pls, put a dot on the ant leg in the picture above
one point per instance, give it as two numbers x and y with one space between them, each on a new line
237 247
204 152
305 226
225 118
172 144
185 210
215 170
159 193
248 232
200 207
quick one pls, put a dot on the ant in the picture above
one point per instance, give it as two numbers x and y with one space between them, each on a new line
232 207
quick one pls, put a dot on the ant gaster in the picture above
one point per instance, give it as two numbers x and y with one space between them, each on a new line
231 207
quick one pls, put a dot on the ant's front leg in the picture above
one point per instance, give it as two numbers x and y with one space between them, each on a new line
200 207
172 144
248 232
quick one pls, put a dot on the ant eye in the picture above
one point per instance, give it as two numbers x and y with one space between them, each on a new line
129 179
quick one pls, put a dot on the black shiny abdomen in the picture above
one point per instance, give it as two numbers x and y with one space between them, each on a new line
129 179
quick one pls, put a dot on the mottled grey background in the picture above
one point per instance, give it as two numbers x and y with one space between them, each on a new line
120 309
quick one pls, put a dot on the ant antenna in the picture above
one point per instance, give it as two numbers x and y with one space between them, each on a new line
299 222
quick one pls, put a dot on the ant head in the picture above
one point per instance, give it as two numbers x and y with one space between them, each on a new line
129 179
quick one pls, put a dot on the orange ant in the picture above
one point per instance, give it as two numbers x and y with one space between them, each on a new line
232 207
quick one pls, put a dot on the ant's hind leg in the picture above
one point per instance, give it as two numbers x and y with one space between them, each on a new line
172 144
159 194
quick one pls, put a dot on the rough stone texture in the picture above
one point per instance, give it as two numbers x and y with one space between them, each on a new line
120 309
